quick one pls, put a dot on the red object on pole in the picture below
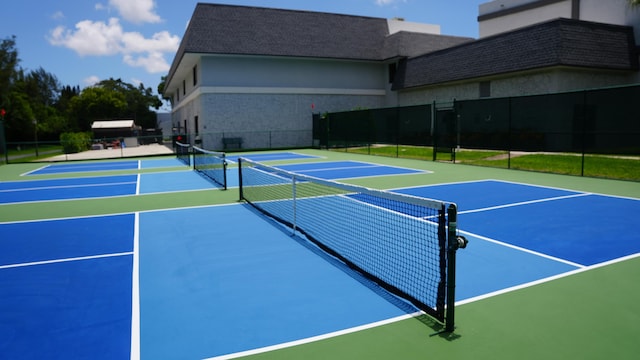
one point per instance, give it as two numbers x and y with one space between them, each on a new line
2 112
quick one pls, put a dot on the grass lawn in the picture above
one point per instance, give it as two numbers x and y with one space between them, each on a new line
610 167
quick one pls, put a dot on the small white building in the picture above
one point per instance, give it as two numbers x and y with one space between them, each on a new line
114 130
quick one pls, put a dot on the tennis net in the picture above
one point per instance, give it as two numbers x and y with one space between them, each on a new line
405 244
182 153
211 164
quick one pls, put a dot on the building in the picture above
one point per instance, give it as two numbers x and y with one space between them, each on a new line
110 129
256 75
501 16
549 57
252 77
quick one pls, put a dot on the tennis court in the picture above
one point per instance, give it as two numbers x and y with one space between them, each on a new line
171 266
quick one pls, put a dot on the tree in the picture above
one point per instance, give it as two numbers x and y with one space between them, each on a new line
8 68
114 99
634 3
139 100
29 99
161 86
95 103
19 124
43 91
66 94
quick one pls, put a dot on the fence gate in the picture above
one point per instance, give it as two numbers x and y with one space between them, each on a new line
445 129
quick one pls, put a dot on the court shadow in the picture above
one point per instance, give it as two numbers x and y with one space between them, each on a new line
402 304
438 328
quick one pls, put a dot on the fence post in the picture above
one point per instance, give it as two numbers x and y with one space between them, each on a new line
509 143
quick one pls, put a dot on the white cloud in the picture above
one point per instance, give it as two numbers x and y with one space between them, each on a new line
137 11
90 38
58 15
91 80
388 2
153 62
136 82
97 38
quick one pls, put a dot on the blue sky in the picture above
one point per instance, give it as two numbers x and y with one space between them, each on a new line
84 41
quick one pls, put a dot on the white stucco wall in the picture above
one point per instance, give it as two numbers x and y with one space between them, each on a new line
269 101
396 25
615 12
518 20
291 73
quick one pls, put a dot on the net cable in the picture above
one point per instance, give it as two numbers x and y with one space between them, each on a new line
403 243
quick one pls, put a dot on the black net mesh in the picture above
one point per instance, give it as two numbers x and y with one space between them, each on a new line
396 240
211 164
183 153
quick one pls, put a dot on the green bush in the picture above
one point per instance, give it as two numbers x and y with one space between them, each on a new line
75 142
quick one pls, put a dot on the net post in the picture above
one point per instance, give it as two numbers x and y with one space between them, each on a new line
293 186
224 170
454 242
240 178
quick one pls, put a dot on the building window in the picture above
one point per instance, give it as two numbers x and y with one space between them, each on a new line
196 125
485 89
195 75
184 87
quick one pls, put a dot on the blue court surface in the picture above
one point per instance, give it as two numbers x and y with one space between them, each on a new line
210 281
204 282
68 188
87 167
105 166
66 288
576 227
260 157
170 181
346 169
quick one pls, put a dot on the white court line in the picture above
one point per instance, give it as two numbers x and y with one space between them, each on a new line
86 167
56 261
315 338
408 316
138 184
434 185
120 213
365 166
67 186
135 292
34 170
498 242
547 279
524 203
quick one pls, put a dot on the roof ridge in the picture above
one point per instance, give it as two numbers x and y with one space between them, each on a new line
289 10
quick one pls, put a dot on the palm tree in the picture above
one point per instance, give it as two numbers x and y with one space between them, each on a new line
634 3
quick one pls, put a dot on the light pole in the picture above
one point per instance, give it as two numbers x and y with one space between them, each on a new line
35 131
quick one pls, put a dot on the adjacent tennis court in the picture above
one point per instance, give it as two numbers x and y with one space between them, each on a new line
223 280
158 182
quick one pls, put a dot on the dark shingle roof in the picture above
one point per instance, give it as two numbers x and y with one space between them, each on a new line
228 29
244 30
409 44
561 42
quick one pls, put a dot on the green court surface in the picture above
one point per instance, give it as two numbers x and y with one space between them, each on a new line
590 313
